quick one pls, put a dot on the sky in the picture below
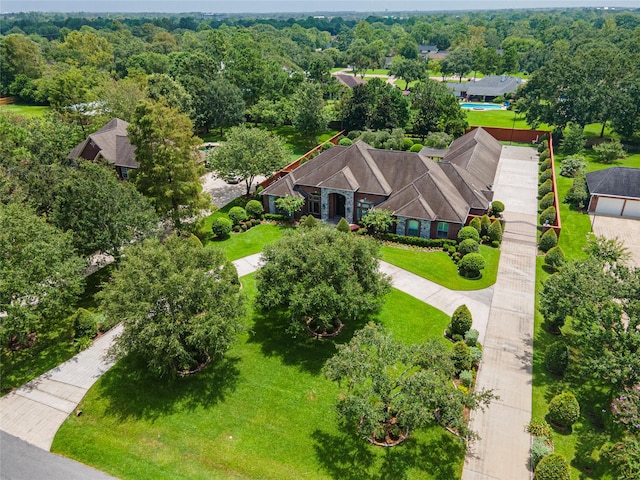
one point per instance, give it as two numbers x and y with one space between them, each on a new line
266 6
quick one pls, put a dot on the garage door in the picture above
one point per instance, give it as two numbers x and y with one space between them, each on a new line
632 209
609 206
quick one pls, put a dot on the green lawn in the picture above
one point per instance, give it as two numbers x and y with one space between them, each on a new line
499 118
252 241
26 110
54 345
265 412
439 268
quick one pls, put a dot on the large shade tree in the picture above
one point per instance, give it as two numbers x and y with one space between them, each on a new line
180 303
322 279
40 274
248 152
391 389
435 109
102 212
169 172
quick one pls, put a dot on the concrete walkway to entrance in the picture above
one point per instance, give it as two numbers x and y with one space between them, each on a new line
502 453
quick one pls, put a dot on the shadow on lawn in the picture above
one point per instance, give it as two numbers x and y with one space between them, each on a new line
270 331
132 392
348 457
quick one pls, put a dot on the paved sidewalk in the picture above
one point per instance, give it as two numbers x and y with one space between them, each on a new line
442 298
502 453
35 411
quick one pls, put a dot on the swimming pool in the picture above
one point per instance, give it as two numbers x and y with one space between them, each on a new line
482 106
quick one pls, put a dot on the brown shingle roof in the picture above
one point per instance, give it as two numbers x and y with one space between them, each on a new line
111 143
415 186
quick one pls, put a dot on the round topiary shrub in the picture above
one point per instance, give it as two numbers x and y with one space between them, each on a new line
545 165
85 324
475 223
471 337
552 467
407 143
345 142
545 188
471 264
354 134
544 144
548 216
554 257
461 321
237 215
556 357
343 226
544 176
308 221
495 232
564 410
547 201
416 147
461 356
254 208
497 207
468 232
468 246
539 449
548 240
221 227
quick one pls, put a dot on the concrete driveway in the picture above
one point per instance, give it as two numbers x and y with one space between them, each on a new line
222 192
625 229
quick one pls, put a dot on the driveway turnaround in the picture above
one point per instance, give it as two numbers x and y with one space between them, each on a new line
502 453
35 411
442 298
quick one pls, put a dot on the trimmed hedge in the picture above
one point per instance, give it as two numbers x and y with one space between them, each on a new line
564 410
476 223
461 356
276 217
495 232
221 227
468 246
548 216
548 240
553 467
497 207
418 241
471 264
544 176
468 232
237 215
545 188
546 164
547 201
461 321
254 208
554 257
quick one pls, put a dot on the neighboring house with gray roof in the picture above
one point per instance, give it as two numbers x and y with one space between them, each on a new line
428 198
110 144
486 89
615 191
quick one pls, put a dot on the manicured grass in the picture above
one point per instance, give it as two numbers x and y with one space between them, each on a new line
26 110
377 71
54 346
265 412
439 268
499 118
252 241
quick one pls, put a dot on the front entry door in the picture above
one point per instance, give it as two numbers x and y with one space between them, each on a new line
340 202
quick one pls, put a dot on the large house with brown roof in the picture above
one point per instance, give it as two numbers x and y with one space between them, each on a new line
428 198
109 144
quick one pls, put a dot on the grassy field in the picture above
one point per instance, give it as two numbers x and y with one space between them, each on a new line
26 110
439 268
265 412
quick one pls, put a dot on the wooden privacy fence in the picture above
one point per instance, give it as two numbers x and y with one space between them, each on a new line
6 100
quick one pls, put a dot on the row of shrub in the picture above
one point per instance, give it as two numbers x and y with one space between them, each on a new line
466 351
418 241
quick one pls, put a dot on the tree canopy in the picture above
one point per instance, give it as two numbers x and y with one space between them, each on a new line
167 151
335 282
248 152
391 389
40 273
180 303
